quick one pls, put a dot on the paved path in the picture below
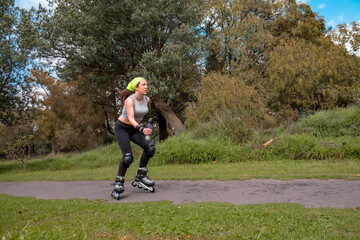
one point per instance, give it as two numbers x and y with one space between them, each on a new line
309 193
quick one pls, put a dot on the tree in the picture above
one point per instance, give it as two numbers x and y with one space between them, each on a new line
173 75
348 36
67 120
21 149
309 76
108 43
281 49
15 98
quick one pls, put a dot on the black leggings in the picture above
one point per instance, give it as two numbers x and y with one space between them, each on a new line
124 133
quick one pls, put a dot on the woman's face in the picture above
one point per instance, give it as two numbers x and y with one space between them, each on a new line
142 87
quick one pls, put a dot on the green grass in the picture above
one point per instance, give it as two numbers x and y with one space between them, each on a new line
322 146
326 135
282 170
30 218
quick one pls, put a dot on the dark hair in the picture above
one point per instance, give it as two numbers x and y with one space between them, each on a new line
124 94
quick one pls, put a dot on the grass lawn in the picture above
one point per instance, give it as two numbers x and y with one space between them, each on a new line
327 169
30 218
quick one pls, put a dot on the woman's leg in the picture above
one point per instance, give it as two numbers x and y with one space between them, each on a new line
141 178
148 146
123 139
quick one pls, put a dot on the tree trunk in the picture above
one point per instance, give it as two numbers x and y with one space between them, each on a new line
163 134
106 119
53 144
175 123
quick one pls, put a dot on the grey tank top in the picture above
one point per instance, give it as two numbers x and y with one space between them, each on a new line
139 109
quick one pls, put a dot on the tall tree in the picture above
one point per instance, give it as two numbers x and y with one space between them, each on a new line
66 120
15 100
310 76
109 42
281 49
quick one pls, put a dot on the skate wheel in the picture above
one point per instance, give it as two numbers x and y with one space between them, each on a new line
152 190
115 195
139 186
133 184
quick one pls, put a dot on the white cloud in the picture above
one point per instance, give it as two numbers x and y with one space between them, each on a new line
341 17
322 6
332 23
27 4
303 1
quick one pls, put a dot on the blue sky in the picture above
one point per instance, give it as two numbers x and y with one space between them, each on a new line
334 11
27 4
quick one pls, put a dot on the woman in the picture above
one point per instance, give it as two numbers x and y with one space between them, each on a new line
128 128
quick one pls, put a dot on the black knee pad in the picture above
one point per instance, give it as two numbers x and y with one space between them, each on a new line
128 159
151 149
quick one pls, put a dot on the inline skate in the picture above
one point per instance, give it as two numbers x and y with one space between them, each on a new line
143 181
118 187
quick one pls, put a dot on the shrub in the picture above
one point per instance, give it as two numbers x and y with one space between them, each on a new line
220 93
186 149
228 127
335 123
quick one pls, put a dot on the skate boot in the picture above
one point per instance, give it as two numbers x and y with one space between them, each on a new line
143 181
118 187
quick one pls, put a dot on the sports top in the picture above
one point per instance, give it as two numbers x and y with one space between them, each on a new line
139 109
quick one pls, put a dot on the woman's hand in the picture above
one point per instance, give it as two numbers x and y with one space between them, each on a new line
147 131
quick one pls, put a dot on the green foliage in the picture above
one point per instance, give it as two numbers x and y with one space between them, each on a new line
283 44
335 123
304 146
108 44
324 135
309 76
345 34
229 128
259 56
9 134
186 149
172 70
67 121
31 218
15 97
220 95
109 155
20 150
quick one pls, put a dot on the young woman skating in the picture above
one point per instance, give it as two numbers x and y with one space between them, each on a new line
128 128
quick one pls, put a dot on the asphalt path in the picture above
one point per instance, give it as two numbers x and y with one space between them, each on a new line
310 193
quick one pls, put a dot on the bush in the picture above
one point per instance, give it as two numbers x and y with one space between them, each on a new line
186 149
226 138
223 93
307 147
335 123
229 127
